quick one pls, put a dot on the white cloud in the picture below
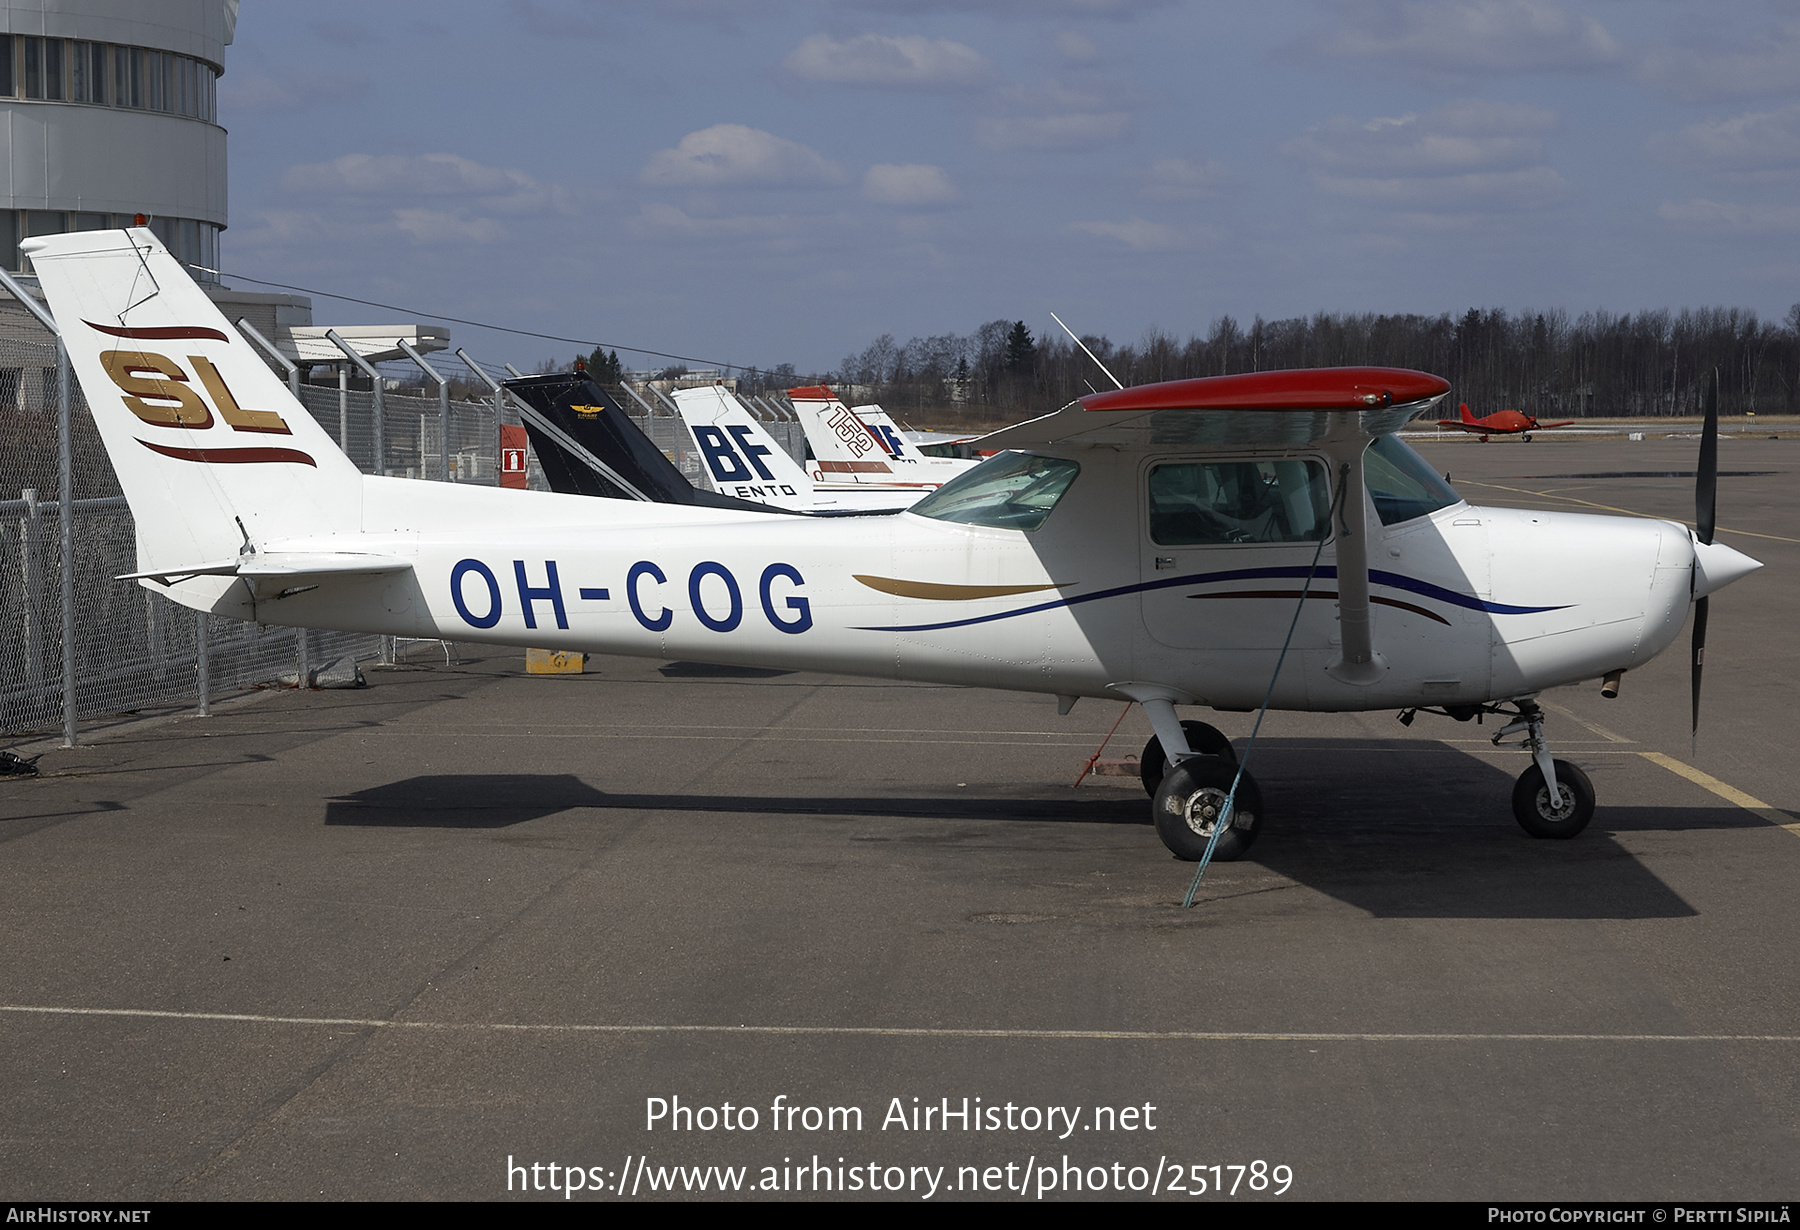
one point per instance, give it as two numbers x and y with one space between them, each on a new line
1181 179
1051 131
879 60
279 227
432 226
408 175
914 185
1141 235
1469 155
1466 36
734 154
1727 218
1483 191
1768 64
1459 137
1749 145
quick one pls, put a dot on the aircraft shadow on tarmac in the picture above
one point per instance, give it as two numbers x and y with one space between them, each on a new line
1430 836
707 670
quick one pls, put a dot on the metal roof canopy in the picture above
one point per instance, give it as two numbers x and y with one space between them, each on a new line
375 343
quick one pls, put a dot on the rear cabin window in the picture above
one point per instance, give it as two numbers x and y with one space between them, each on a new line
1206 503
1402 484
1013 491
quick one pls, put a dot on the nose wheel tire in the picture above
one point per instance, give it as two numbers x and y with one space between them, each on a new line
1531 802
1207 740
1188 803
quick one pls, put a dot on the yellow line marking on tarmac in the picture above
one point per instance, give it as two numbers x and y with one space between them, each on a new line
875 1031
1731 794
1602 731
1630 512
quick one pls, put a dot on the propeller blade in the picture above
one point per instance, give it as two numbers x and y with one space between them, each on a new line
1698 659
1706 477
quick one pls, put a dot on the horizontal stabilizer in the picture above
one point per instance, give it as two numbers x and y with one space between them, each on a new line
279 566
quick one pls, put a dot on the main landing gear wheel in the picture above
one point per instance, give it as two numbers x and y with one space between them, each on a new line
1531 802
1204 739
1187 806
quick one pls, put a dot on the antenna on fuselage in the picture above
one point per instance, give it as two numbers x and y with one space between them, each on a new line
1117 383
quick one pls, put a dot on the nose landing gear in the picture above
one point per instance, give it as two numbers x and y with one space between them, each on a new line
1552 798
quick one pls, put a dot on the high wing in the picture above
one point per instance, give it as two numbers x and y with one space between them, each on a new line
1269 410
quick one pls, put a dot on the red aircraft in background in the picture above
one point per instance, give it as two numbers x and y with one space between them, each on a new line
1499 423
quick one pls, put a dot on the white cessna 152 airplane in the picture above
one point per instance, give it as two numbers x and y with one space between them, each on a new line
1149 543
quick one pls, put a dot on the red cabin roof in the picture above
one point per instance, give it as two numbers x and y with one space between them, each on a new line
1317 388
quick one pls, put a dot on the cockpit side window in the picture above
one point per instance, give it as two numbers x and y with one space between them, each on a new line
1202 503
1402 484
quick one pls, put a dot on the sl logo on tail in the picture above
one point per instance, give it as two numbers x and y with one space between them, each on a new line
158 390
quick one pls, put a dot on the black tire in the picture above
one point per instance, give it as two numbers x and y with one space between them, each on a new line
1207 740
1531 802
1188 802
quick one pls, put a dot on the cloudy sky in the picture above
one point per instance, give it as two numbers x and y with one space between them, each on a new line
767 181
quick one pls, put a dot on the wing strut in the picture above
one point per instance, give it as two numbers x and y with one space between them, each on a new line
1357 661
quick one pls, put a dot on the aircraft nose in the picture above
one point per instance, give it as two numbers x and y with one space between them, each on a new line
1717 565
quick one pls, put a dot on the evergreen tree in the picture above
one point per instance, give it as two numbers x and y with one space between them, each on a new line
1021 351
604 367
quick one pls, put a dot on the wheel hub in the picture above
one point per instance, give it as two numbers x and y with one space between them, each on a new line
1203 809
1555 813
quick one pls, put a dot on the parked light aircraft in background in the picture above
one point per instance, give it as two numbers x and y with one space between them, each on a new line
1150 543
1499 423
745 461
588 445
864 445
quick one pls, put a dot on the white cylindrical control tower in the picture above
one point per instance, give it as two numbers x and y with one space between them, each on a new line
110 110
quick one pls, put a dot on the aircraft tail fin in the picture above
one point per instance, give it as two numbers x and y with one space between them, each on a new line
742 458
879 422
844 448
213 452
588 445
1466 416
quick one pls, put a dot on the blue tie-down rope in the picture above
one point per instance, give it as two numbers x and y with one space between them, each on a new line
1224 820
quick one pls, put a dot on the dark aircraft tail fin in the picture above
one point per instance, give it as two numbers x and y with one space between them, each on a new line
581 424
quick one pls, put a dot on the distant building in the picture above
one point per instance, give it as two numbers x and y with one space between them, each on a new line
110 110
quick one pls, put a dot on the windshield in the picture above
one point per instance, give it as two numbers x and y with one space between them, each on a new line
1013 491
1403 485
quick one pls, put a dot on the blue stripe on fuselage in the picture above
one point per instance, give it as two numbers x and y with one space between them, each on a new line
1393 580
